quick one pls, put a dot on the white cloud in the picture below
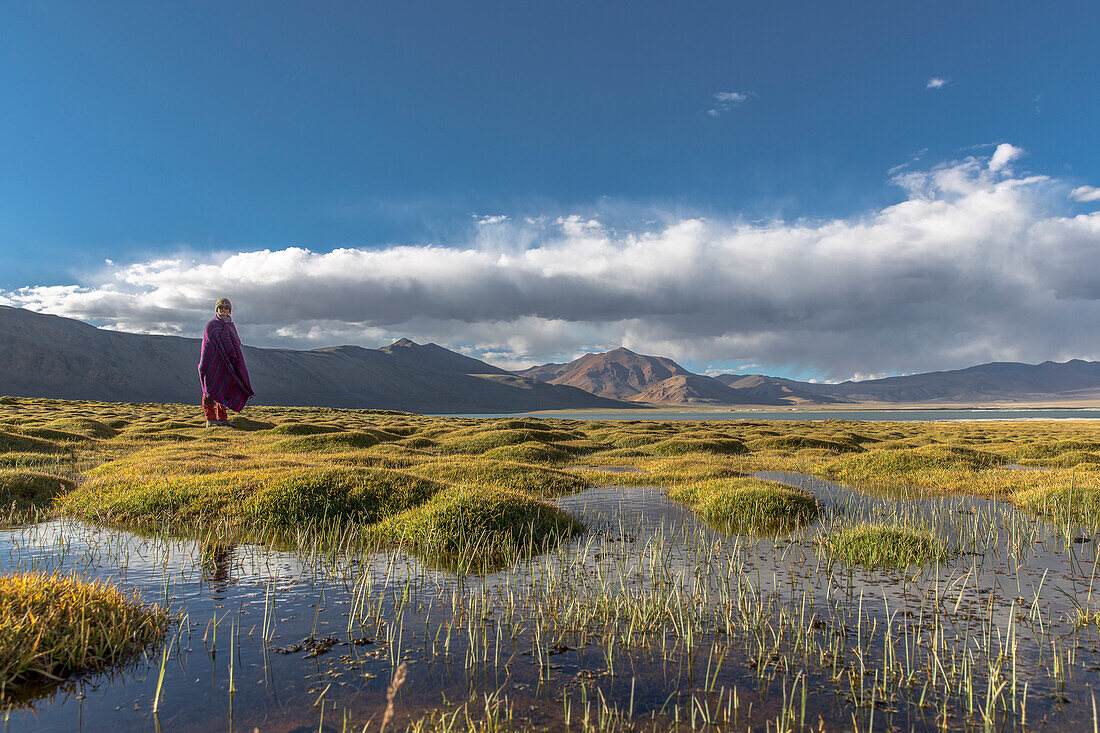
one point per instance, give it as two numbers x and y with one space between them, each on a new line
1003 155
725 101
1085 193
935 83
973 265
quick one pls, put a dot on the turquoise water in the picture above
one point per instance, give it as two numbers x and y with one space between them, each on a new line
918 415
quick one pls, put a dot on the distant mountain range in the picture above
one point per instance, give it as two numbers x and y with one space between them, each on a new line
625 375
50 356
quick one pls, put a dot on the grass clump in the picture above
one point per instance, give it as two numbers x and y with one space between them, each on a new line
16 443
883 545
748 505
800 442
1074 503
52 626
57 436
24 494
470 526
534 480
684 446
485 440
31 460
916 465
244 423
329 442
364 495
85 426
529 452
296 428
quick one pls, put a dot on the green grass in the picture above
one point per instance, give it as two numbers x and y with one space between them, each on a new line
16 443
800 442
254 498
295 428
466 525
685 446
86 426
915 466
52 626
26 495
328 442
884 545
1074 503
529 452
534 480
749 506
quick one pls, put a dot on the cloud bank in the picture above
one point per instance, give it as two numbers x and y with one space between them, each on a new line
977 263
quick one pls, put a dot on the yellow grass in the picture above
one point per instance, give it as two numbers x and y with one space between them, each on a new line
52 626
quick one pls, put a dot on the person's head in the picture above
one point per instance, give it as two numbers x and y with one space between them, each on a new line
223 307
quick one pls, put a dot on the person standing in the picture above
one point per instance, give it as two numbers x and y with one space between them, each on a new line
222 373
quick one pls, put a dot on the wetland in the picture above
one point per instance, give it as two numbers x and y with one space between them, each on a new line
312 569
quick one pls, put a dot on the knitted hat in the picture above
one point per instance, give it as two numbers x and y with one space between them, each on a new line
221 302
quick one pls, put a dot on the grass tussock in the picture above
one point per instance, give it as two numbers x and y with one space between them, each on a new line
485 440
16 443
1074 503
85 426
507 476
24 495
468 522
687 446
801 442
52 626
329 442
749 506
883 545
529 452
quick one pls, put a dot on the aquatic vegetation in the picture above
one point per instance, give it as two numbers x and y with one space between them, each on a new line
749 506
1074 502
53 625
884 545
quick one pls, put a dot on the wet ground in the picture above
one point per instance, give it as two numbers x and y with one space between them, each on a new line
651 617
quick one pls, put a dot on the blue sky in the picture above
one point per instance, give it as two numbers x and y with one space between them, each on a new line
142 132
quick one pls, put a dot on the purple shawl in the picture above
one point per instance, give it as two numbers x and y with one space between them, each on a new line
222 372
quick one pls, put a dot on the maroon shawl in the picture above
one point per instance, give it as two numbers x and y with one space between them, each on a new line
222 372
